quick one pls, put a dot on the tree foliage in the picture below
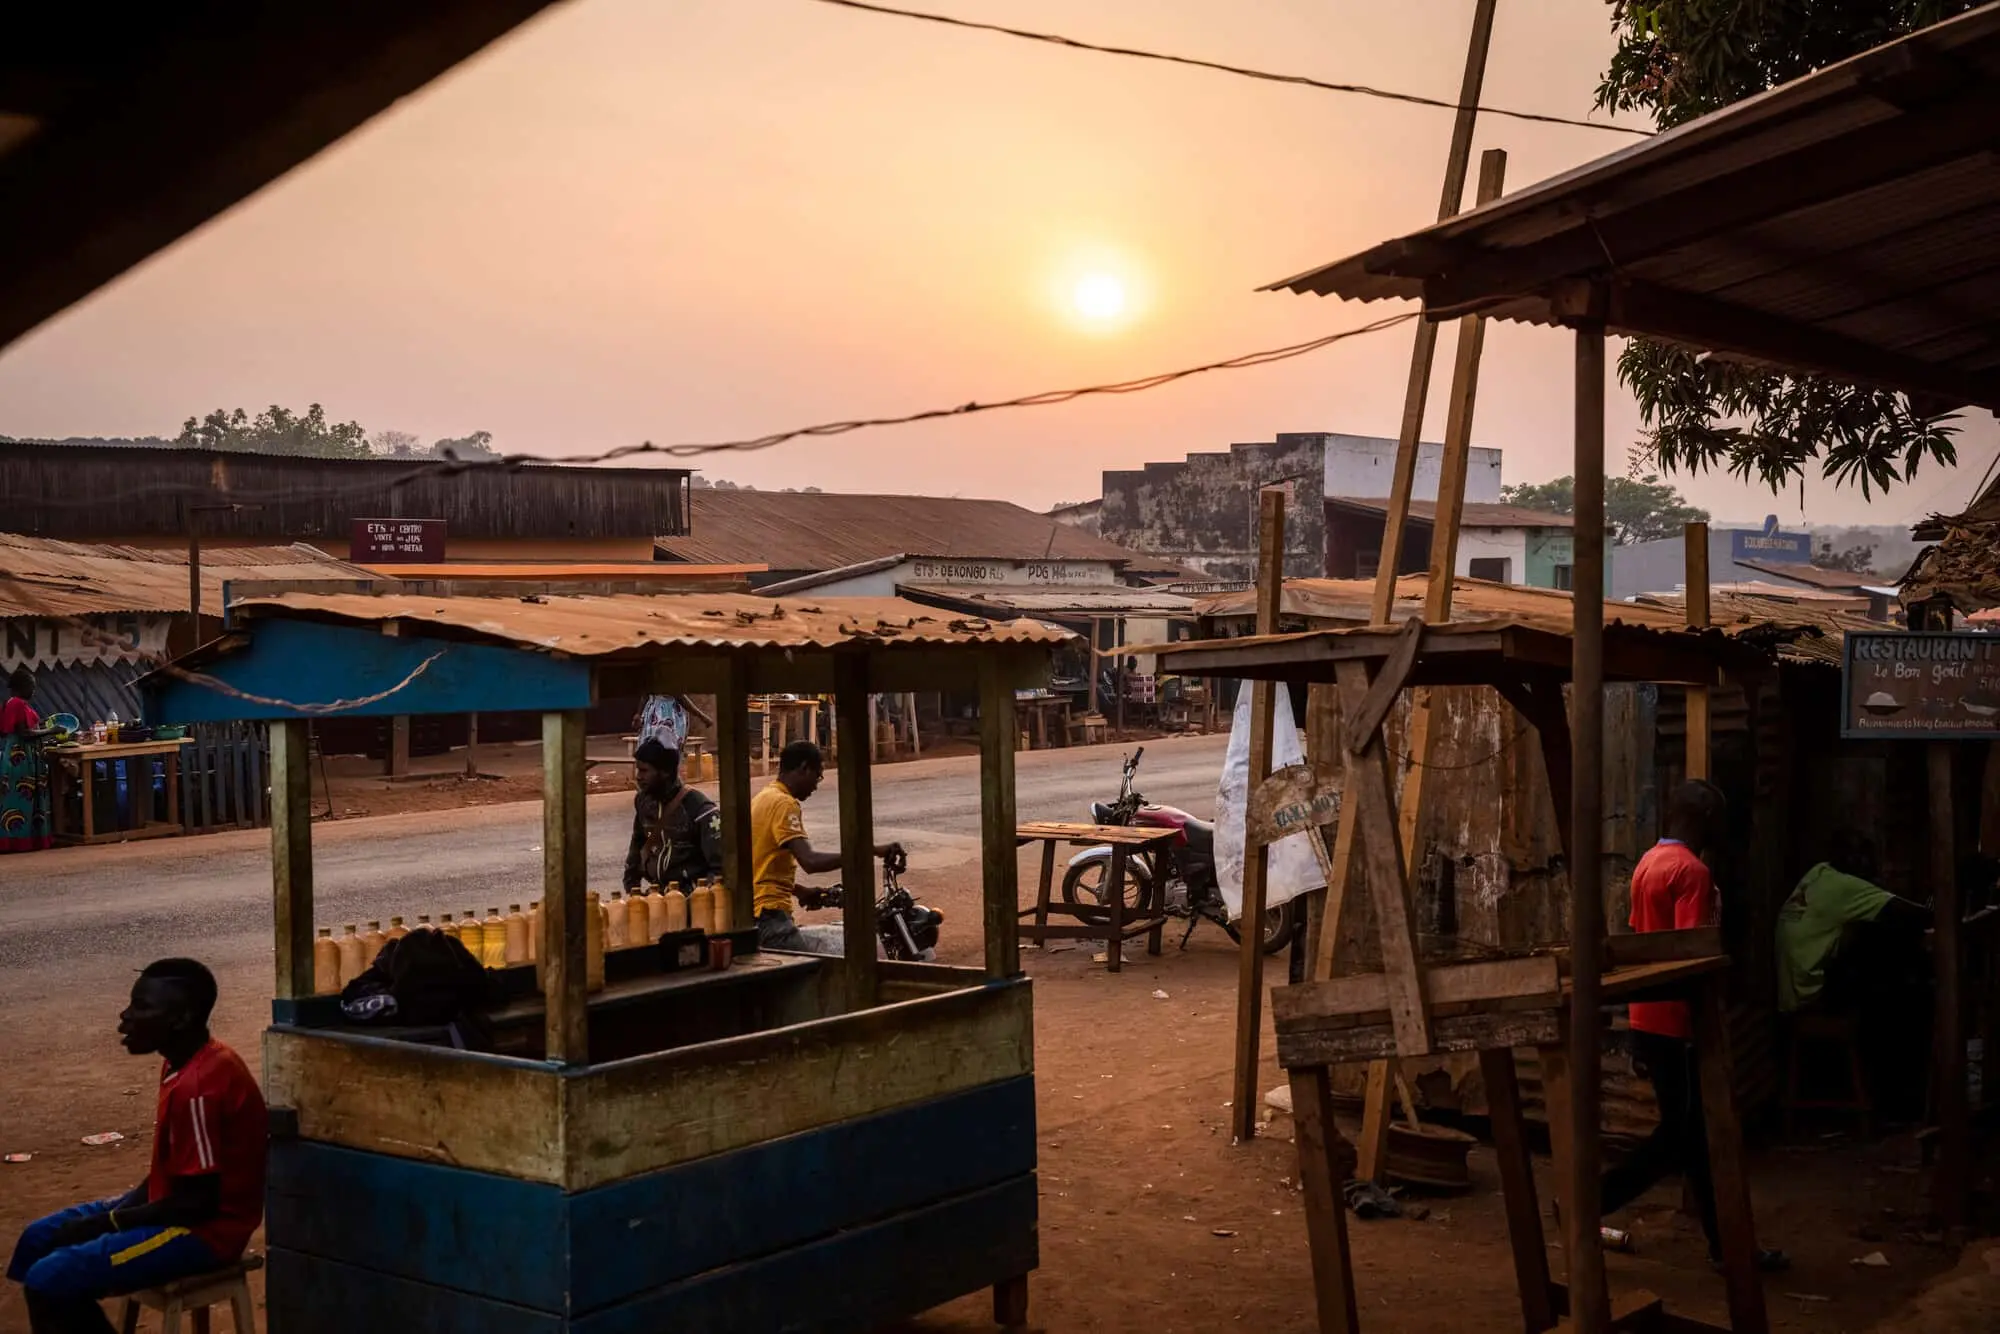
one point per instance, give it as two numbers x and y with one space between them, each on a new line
1852 560
276 430
1679 59
1637 508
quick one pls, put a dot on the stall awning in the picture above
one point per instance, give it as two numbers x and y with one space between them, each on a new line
1845 224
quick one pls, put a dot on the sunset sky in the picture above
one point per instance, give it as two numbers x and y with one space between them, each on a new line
709 219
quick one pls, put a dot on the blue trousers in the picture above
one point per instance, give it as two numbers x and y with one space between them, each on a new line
64 1285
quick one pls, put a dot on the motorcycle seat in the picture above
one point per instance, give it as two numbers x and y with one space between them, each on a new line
1200 833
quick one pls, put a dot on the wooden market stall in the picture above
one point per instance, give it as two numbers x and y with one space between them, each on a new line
1394 1002
1843 225
791 1142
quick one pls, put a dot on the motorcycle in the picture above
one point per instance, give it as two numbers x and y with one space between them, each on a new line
1185 871
909 931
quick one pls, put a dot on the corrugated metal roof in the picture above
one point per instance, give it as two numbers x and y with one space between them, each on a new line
603 626
43 577
1791 628
1812 574
1847 223
1043 600
810 531
1477 514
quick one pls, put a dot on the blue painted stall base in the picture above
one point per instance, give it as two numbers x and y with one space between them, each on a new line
498 1237
851 1282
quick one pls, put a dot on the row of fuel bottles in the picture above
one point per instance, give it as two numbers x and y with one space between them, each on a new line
627 920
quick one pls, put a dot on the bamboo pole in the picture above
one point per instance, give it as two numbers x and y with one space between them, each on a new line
1590 1301
1257 855
1695 540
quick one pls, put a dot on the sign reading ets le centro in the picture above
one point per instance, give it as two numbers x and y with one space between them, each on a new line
1922 686
396 541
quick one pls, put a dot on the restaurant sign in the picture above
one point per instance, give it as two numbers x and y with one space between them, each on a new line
1924 686
396 541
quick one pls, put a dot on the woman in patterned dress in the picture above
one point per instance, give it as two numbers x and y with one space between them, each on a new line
24 786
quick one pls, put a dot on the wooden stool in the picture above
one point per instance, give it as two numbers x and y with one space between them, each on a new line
1828 1030
194 1295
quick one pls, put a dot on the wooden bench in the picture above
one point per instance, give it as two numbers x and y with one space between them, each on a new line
194 1295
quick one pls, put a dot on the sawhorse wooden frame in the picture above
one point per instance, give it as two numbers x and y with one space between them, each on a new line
1490 1007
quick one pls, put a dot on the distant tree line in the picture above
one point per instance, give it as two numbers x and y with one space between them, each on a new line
279 430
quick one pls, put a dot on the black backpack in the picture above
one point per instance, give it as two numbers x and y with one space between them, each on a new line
426 978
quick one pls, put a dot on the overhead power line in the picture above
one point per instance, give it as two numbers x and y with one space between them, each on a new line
1300 80
1046 398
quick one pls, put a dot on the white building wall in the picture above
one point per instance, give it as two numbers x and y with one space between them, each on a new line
1508 544
1364 466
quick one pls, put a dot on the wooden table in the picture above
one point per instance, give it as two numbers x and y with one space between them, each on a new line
1041 706
79 763
782 721
1105 921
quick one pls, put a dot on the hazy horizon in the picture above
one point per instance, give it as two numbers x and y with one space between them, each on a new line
712 220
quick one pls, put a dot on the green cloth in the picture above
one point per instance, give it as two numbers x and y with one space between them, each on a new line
1810 925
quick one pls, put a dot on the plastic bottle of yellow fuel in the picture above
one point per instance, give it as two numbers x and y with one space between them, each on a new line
534 930
326 964
353 958
593 957
675 914
396 929
639 919
493 940
372 941
615 922
448 925
722 911
472 935
516 949
701 908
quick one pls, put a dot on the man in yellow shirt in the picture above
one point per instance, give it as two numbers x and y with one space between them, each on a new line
779 850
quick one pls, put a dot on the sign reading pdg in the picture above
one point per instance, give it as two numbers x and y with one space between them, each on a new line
1924 686
396 541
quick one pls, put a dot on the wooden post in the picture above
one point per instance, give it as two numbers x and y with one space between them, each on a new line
472 745
1950 1193
853 712
1590 1301
1416 397
1728 1168
732 776
1695 539
1438 589
1417 394
874 747
399 745
1257 856
910 721
1517 1184
565 882
1326 1213
998 857
291 855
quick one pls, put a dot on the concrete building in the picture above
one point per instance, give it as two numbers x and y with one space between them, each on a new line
1735 556
1202 512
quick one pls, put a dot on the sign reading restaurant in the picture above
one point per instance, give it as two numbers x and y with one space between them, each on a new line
1926 686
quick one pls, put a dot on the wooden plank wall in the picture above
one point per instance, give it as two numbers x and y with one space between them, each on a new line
223 785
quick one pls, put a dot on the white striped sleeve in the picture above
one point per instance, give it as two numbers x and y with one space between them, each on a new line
201 1117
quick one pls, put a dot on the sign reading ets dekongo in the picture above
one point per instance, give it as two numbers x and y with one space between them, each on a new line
396 541
1922 686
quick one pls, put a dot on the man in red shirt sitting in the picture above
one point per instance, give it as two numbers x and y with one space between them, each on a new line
1672 890
202 1198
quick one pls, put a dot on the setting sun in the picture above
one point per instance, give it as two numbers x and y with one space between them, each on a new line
1098 296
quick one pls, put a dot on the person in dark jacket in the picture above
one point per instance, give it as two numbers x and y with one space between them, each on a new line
676 831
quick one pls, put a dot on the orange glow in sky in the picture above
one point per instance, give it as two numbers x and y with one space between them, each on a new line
717 218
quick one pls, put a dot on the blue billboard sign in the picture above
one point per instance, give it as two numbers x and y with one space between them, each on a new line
1768 543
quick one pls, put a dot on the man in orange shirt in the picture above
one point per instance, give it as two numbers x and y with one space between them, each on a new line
1672 890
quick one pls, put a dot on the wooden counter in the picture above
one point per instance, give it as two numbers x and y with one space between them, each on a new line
77 761
427 1187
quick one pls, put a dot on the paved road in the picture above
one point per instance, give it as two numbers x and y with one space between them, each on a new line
83 918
